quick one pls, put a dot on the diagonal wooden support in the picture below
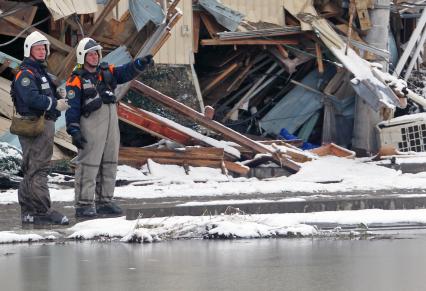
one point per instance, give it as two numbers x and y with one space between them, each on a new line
55 42
411 44
211 124
70 59
166 129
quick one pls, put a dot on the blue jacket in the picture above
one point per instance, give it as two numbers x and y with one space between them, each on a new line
33 92
76 84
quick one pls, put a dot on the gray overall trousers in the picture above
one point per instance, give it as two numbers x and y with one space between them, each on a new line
97 163
33 192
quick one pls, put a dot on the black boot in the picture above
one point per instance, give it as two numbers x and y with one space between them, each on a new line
50 217
85 211
109 208
27 218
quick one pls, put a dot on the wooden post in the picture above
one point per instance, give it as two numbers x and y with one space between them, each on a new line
319 58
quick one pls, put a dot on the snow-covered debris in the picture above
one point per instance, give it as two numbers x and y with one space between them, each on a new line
149 230
238 225
139 236
107 227
10 159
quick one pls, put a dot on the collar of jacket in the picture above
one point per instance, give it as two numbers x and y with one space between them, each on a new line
86 74
32 64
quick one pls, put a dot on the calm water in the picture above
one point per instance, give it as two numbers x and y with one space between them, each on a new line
268 264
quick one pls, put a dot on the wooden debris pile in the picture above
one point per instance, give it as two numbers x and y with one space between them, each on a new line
270 89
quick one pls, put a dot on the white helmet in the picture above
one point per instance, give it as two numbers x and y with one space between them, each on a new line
85 45
35 38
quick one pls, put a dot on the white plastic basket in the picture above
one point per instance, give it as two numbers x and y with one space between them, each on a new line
406 133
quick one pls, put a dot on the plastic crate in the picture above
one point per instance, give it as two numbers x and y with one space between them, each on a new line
406 133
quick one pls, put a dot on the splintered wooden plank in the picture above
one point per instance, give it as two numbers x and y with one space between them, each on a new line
198 157
282 51
53 41
249 42
332 149
320 63
167 129
25 14
236 83
363 16
218 79
189 153
149 123
211 25
228 133
196 30
171 10
237 168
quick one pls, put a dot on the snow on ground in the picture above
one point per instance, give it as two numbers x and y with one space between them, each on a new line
327 174
11 237
130 174
225 226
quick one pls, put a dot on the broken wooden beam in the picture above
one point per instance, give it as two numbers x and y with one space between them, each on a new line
211 124
249 42
187 153
196 20
22 11
53 41
192 156
148 122
218 79
164 128
320 63
211 25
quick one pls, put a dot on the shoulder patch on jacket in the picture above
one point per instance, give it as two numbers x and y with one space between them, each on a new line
70 94
25 81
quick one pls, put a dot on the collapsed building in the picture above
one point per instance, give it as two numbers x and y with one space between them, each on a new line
241 84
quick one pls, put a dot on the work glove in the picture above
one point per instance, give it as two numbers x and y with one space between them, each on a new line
62 104
142 63
78 140
61 92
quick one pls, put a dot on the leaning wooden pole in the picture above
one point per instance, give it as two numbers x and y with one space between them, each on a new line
211 124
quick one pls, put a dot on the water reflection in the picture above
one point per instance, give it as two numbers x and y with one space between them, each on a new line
270 264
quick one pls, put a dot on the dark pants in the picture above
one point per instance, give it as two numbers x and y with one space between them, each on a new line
33 193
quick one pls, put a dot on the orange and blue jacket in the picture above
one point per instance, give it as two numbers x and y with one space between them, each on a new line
81 80
33 92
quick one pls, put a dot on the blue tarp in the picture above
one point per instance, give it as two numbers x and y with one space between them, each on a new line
298 106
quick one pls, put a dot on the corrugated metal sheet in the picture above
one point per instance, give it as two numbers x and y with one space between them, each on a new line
119 56
229 18
305 102
143 11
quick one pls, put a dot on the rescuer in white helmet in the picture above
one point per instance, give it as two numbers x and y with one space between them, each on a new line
92 122
34 96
